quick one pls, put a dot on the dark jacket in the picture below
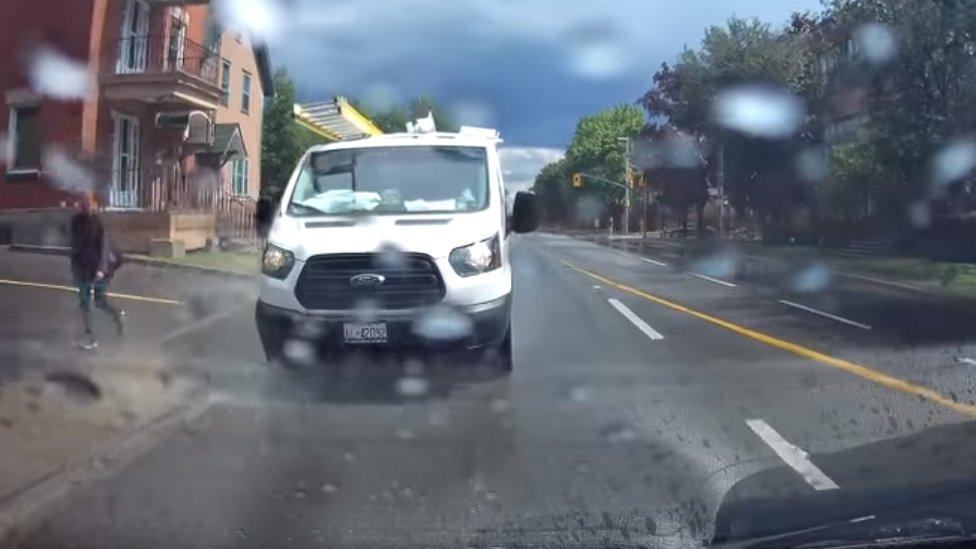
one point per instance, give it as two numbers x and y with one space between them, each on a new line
88 247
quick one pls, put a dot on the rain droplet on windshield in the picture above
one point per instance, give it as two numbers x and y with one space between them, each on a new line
876 42
595 51
920 214
412 387
814 278
954 162
722 265
442 323
473 112
758 110
299 351
390 256
66 172
811 164
54 75
262 19
365 309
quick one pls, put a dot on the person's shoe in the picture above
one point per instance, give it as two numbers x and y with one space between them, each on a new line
120 323
90 345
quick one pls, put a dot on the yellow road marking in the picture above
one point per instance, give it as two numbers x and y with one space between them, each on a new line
72 289
858 370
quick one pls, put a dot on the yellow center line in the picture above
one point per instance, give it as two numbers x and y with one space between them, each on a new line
858 370
72 289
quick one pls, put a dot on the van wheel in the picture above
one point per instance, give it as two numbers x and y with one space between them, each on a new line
506 352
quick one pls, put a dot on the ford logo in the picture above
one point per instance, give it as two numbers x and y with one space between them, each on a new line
367 280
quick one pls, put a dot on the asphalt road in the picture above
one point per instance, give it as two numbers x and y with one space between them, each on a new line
648 407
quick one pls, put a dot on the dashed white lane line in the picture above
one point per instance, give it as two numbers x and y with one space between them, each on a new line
636 320
793 455
825 314
654 262
713 280
964 360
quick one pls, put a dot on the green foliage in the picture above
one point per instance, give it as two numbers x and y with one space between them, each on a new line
283 141
596 148
394 118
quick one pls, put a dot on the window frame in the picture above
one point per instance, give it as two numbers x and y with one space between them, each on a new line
225 85
246 81
240 173
13 119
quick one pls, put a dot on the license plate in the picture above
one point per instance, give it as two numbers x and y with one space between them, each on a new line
364 332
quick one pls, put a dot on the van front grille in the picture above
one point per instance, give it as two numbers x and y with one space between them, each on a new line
410 281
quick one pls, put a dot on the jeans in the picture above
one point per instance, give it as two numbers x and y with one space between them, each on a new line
99 288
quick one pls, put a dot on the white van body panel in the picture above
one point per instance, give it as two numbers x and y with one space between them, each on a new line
433 234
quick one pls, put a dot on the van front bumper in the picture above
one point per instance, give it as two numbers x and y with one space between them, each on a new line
490 322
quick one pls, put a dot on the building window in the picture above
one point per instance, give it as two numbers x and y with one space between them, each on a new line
240 169
24 146
126 189
246 93
225 83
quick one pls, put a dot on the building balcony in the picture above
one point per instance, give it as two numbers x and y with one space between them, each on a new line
161 70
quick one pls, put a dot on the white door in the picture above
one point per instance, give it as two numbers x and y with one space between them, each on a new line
134 38
125 163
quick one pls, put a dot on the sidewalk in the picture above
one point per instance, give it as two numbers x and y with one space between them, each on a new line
93 415
942 280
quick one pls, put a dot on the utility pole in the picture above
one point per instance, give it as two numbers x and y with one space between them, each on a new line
721 190
626 225
644 211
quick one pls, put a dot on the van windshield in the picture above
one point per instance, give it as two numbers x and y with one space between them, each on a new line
392 180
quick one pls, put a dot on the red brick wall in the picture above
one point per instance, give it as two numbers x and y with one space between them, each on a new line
61 24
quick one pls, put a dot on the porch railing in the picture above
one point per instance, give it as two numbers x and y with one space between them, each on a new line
157 54
160 190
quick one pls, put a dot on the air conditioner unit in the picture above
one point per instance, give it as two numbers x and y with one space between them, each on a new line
197 127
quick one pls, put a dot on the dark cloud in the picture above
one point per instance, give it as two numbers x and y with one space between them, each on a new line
530 68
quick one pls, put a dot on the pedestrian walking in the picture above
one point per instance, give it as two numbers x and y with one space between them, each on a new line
93 263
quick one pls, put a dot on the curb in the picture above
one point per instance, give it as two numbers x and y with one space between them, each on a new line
138 260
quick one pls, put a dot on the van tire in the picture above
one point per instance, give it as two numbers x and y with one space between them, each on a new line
506 352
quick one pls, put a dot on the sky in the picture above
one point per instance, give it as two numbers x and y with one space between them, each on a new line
530 68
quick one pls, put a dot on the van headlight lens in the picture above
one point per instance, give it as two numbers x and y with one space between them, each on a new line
477 258
277 262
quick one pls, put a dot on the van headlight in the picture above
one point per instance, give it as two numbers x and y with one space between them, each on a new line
277 262
477 258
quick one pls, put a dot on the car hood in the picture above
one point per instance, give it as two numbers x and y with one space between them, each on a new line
432 234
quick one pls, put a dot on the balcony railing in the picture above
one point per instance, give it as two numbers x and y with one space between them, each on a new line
163 54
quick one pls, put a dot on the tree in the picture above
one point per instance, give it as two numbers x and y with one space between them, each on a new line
552 188
394 118
757 171
283 141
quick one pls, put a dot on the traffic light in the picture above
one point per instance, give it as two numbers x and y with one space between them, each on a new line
577 181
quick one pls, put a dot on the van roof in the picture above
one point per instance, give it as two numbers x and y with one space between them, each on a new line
467 137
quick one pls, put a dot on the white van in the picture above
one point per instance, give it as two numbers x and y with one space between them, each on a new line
396 240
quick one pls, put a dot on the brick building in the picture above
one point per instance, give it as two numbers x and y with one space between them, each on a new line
170 129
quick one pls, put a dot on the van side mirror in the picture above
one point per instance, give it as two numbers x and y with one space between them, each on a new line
264 212
525 218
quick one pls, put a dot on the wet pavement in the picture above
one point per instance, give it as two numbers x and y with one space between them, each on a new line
603 435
